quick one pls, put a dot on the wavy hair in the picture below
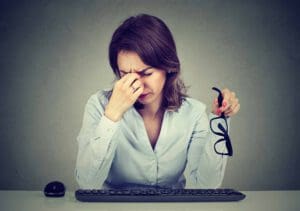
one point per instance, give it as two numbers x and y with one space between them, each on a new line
151 39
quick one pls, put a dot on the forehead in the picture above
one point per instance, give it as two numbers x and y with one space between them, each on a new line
128 60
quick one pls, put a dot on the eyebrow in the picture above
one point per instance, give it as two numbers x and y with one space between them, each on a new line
139 72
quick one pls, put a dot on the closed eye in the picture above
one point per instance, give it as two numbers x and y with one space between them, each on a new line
146 74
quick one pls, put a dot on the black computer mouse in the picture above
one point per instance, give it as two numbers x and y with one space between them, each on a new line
54 189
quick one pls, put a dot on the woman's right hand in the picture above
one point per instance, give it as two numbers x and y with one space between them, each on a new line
125 93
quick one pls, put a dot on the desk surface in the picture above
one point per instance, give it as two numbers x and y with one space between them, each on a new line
255 200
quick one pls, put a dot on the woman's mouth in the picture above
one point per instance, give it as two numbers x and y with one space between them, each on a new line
143 96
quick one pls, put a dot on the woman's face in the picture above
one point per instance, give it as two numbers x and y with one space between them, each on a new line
152 79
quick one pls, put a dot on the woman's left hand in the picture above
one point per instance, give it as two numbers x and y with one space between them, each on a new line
230 104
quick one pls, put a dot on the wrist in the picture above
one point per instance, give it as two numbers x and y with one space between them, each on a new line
112 115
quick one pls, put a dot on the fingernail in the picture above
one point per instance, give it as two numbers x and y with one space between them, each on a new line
219 110
224 104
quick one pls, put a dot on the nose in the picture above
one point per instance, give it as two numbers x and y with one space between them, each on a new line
143 82
142 79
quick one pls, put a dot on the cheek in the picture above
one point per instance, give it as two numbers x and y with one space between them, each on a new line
157 82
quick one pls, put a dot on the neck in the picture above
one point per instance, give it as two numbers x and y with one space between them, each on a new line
152 110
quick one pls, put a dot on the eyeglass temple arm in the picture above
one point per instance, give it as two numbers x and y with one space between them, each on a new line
220 99
220 96
226 136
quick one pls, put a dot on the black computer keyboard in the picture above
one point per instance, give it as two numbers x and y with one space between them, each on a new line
158 195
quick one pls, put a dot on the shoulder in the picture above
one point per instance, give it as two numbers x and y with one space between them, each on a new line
98 100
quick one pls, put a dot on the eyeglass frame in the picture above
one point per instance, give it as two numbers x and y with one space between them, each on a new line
225 135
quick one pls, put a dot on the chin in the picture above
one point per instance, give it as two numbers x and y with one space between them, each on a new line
145 101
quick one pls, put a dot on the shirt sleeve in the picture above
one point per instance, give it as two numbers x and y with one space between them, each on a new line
96 146
205 168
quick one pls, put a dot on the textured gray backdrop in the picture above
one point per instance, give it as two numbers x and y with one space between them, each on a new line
54 56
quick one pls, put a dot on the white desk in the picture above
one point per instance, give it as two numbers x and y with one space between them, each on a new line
255 200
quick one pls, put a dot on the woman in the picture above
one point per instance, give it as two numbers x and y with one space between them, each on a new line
146 130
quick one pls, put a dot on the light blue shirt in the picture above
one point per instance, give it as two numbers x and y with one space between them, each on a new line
119 153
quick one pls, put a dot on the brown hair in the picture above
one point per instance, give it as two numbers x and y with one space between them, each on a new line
151 39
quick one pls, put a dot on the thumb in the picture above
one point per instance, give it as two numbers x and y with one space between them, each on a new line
215 106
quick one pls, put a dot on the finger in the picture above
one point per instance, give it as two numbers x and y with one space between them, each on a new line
130 78
228 101
138 91
234 110
231 105
228 110
124 77
226 96
136 84
215 104
216 101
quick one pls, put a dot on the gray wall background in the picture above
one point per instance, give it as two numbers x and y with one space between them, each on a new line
54 56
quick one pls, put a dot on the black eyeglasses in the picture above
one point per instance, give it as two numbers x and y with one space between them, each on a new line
221 131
